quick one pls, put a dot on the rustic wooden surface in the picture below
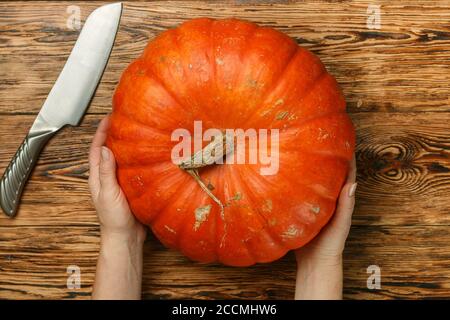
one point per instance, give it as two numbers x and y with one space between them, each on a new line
396 81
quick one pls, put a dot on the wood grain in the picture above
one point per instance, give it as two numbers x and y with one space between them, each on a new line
396 81
410 269
369 64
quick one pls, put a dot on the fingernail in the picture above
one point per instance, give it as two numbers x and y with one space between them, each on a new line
105 154
352 191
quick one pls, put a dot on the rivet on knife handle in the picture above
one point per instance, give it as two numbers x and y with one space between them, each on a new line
19 169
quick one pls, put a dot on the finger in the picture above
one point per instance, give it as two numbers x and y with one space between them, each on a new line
346 201
107 174
94 155
344 210
99 139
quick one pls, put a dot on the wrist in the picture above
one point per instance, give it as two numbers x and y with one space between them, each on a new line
114 238
319 278
119 265
319 261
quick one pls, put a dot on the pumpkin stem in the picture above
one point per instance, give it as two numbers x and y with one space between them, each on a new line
209 155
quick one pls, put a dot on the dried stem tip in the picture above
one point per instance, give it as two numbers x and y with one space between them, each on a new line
213 153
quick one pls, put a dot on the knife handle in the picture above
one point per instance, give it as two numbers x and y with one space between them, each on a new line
19 169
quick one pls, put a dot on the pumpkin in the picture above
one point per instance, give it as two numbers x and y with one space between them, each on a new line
230 74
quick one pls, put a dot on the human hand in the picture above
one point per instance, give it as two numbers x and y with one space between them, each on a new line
114 214
119 266
319 263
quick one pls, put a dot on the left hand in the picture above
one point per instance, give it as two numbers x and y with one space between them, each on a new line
119 266
116 218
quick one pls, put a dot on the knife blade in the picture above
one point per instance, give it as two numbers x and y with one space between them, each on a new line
67 100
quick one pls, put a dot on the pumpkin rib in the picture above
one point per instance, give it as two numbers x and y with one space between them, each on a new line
273 85
177 44
320 193
255 207
134 119
270 120
316 231
141 175
248 38
326 154
326 195
319 82
304 223
235 213
143 166
176 96
213 178
149 149
276 252
222 225
323 154
205 116
287 178
210 55
306 93
186 229
342 152
178 188
256 214
149 74
308 120
218 217
276 78
213 57
169 92
302 123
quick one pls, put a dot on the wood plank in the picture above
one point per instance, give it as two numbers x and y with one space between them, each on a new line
403 67
414 262
33 262
396 82
403 163
403 170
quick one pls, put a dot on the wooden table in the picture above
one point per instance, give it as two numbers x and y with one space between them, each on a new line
396 80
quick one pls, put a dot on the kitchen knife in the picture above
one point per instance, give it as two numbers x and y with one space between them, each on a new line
67 100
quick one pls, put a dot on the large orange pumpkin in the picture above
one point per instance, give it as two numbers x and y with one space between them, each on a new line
231 74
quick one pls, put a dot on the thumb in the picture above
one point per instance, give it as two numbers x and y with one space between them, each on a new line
107 172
